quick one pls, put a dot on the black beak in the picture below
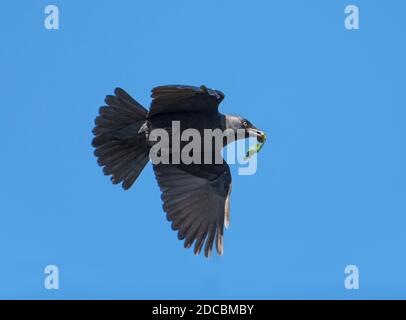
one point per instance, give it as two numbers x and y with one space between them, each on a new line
255 133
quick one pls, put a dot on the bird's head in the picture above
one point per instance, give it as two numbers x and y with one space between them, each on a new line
237 123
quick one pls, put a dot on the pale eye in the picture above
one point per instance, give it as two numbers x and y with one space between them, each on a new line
244 124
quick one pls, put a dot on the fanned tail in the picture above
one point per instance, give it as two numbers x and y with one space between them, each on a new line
119 149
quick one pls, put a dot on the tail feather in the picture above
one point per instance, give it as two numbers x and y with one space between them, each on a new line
119 150
134 173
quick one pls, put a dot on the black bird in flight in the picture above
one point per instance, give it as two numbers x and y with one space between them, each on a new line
196 197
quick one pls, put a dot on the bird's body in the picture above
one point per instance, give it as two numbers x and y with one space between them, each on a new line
195 196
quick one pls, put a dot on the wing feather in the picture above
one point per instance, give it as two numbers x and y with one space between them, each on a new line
179 98
194 199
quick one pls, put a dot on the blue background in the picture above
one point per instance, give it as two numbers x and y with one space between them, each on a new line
330 186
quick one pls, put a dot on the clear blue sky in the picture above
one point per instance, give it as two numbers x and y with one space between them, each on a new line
330 188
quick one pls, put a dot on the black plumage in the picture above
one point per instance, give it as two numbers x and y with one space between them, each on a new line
196 197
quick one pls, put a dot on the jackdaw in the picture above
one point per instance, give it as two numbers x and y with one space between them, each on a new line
196 196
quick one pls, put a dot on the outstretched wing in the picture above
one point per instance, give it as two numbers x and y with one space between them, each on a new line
178 98
196 198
